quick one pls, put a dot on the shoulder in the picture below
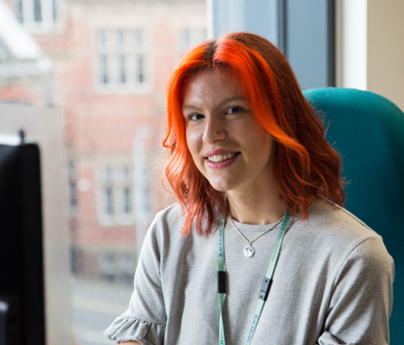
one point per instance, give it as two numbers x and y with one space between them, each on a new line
171 216
166 226
167 221
334 233
332 221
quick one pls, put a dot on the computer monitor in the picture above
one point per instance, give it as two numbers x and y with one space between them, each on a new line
22 301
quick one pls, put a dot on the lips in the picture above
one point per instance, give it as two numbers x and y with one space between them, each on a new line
221 158
218 159
217 152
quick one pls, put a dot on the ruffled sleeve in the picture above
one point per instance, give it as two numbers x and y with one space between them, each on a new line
126 328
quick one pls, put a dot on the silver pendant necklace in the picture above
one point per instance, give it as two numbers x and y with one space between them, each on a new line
248 250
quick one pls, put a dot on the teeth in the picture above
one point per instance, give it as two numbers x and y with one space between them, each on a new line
221 158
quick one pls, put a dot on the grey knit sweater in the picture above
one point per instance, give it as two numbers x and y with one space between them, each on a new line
332 284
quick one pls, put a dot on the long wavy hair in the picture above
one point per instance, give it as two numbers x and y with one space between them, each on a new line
306 167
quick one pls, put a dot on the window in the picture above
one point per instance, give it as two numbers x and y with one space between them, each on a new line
140 75
191 37
106 201
72 189
124 196
127 265
37 15
116 196
117 266
122 61
139 38
107 265
122 69
104 67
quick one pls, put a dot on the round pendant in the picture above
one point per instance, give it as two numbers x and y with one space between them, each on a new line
248 251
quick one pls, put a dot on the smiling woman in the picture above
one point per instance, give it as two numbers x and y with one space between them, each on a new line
247 66
227 144
253 175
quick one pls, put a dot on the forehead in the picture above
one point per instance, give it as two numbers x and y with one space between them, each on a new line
211 85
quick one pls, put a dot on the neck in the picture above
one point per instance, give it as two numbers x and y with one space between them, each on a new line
263 206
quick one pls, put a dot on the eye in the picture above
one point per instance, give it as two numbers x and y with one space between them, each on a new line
234 110
194 117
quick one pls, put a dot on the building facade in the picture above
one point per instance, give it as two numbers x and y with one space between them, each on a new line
110 64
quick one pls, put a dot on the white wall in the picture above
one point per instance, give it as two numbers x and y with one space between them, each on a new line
385 67
370 47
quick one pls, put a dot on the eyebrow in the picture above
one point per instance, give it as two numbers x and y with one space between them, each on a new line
227 100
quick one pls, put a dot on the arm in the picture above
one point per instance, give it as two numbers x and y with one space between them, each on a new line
144 321
361 301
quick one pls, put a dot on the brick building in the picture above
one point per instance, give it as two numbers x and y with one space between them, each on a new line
111 61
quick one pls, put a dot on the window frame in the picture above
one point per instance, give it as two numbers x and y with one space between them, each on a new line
50 15
121 43
117 184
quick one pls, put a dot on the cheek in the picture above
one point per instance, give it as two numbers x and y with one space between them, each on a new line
268 144
193 137
193 143
261 147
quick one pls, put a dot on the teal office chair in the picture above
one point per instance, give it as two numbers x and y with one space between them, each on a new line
368 131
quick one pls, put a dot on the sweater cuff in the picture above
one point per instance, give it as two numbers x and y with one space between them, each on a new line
125 328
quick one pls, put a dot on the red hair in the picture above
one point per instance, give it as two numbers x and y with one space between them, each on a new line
306 167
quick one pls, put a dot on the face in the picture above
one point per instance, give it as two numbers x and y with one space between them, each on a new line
227 144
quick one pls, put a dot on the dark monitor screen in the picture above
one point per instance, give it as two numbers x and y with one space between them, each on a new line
22 302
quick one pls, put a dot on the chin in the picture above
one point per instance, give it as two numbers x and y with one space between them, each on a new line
224 190
221 186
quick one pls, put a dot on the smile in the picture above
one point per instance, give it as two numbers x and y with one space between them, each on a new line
221 158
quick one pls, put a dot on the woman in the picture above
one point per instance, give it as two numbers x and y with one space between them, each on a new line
258 187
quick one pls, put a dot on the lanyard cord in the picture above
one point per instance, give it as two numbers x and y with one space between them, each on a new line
221 279
266 285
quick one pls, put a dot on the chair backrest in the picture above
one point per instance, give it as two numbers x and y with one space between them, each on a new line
368 131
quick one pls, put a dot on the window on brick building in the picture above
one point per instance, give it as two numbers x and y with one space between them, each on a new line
108 201
140 75
38 15
106 197
140 39
122 69
107 265
121 38
115 205
122 61
191 37
101 66
124 196
104 69
102 39
72 189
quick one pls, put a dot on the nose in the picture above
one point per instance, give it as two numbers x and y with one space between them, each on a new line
214 130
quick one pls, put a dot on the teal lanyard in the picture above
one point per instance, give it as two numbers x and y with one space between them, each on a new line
221 279
266 285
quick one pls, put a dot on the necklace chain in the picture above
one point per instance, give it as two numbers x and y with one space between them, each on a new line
251 242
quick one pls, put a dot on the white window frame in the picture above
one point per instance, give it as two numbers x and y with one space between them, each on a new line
117 181
106 180
124 181
195 36
48 22
73 197
130 49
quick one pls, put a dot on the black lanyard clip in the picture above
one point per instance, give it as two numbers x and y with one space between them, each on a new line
221 282
266 286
